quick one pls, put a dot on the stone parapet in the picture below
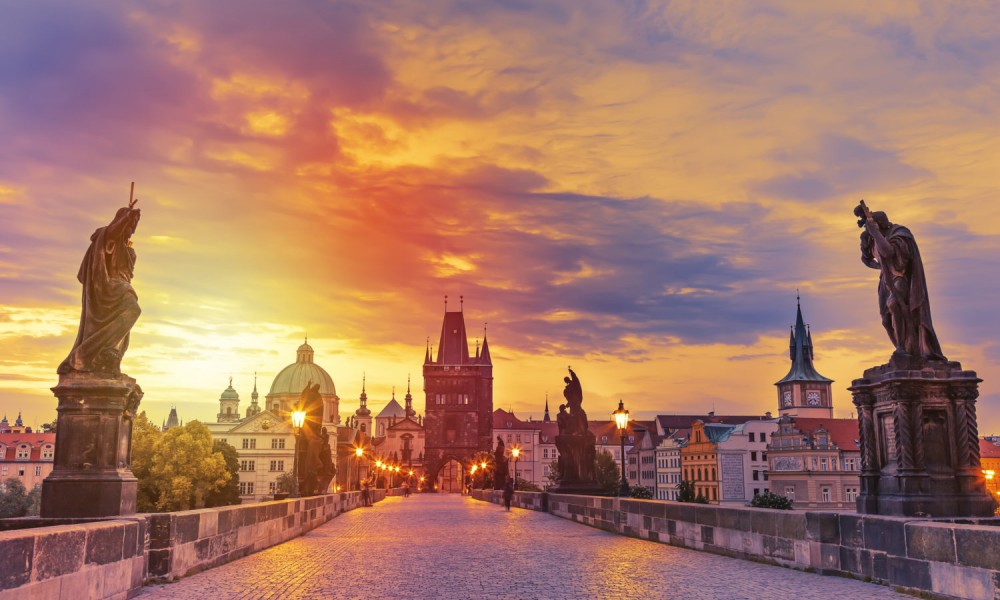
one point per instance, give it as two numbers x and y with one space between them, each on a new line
948 558
115 558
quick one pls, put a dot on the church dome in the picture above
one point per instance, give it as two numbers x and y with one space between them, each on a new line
229 393
294 378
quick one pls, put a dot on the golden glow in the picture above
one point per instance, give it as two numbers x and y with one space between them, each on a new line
483 465
298 418
515 452
621 416
359 452
989 473
267 122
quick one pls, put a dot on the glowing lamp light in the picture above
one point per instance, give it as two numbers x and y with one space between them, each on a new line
359 452
298 418
483 465
621 416
515 452
473 469
411 472
989 473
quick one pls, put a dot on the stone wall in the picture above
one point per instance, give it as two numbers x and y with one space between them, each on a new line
115 558
957 559
106 559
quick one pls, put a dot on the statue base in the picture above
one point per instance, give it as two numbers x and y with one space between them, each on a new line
91 475
920 440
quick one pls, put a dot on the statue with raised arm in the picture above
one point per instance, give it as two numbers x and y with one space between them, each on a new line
110 305
902 288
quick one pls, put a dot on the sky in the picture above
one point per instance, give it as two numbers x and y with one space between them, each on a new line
637 189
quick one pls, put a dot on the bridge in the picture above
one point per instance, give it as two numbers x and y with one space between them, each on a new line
450 546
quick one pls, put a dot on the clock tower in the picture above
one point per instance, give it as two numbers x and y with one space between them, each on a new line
803 392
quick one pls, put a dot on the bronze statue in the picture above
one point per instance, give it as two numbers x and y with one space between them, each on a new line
576 444
110 305
902 287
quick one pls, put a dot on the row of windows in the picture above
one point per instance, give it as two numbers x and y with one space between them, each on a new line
251 465
246 488
20 471
668 477
756 475
699 475
23 452
451 398
825 493
668 463
762 437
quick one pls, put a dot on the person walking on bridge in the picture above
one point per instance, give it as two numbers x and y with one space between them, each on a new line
508 493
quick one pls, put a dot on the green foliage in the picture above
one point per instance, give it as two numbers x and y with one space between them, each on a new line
230 492
287 484
771 500
685 492
553 476
48 427
14 501
641 492
177 469
483 479
35 500
522 485
607 474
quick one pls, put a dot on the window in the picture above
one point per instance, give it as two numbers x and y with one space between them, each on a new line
3 471
246 488
826 494
765 475
822 464
277 465
23 452
851 493
790 492
753 454
38 471
756 475
756 492
20 471
278 443
751 436
48 451
249 443
762 437
272 487
247 465
545 452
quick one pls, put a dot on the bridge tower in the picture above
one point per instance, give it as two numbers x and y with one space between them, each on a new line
458 414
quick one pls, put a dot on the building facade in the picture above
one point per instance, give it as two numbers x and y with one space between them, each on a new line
742 455
668 464
458 410
26 455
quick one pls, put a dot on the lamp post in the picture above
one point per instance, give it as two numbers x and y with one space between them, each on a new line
482 466
621 421
515 452
298 420
359 452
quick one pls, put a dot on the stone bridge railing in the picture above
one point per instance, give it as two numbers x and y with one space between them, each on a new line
115 558
959 559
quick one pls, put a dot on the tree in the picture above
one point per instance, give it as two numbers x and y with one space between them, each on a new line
641 492
35 500
287 484
145 434
230 492
48 427
483 478
553 476
607 474
14 500
523 485
771 500
686 493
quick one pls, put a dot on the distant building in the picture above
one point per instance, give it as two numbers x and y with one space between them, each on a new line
668 463
813 459
458 409
642 456
989 455
172 420
743 461
17 427
26 455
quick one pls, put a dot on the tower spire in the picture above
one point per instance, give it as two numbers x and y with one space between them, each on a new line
547 418
409 399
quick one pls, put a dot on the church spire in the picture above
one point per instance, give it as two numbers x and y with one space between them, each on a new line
801 351
363 410
484 354
547 418
409 399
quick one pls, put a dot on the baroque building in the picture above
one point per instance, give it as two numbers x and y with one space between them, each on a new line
458 410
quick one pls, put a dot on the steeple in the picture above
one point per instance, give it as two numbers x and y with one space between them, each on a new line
18 422
801 352
427 351
453 348
409 399
363 409
484 355
254 408
547 418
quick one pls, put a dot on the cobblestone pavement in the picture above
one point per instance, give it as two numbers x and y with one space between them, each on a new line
448 546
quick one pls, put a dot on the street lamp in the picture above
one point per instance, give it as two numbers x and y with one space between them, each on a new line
621 421
515 452
298 420
359 452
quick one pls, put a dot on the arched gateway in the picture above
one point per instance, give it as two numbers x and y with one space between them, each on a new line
458 420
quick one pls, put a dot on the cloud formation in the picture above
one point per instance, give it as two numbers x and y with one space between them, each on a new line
638 187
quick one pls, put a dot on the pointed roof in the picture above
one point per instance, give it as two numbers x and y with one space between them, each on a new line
427 351
392 409
18 422
172 420
409 400
547 418
801 352
254 395
453 349
363 409
484 355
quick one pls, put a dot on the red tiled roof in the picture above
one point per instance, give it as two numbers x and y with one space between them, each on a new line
843 432
10 442
988 449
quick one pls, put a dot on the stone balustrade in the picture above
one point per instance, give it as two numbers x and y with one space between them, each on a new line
114 558
957 559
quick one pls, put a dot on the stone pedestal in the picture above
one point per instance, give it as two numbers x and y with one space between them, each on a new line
920 441
91 475
577 454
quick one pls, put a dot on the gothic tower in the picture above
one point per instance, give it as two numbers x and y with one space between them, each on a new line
803 392
458 414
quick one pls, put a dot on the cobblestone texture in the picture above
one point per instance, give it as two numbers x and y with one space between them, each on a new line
448 546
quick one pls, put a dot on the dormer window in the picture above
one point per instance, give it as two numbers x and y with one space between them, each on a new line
48 451
23 452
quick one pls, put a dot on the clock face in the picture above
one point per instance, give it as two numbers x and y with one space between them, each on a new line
787 398
812 398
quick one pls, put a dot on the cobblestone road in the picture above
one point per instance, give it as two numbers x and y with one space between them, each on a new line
448 546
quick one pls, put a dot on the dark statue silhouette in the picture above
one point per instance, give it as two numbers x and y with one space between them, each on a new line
575 443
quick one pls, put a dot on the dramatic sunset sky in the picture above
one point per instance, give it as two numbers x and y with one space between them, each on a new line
633 188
